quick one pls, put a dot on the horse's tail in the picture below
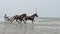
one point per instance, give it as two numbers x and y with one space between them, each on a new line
5 17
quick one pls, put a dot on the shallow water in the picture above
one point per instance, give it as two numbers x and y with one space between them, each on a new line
29 28
40 26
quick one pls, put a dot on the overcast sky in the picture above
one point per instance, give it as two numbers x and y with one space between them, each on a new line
45 8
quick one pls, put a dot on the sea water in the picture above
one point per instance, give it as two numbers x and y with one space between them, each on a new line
2 19
39 19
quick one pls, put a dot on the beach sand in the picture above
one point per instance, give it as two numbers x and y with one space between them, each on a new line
29 28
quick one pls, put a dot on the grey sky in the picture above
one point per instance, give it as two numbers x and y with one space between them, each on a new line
45 8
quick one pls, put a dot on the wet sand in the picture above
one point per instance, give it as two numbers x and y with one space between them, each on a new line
29 28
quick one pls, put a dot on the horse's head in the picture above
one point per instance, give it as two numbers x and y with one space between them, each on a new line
36 15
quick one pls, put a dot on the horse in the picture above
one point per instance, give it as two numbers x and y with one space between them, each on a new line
19 17
31 17
7 18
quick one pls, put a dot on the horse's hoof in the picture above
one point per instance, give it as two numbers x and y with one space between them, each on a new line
24 23
32 23
18 23
11 22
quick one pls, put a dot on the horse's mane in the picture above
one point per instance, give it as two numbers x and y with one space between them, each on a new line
34 14
22 15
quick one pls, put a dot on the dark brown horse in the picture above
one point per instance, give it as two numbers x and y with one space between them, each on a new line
31 17
19 17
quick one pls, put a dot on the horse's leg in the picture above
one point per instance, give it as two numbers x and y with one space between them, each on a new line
12 21
20 21
17 20
32 21
24 21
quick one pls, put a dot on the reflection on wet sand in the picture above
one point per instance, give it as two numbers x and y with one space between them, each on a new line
29 28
